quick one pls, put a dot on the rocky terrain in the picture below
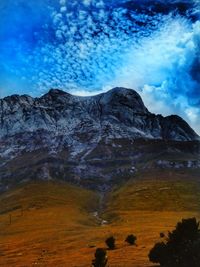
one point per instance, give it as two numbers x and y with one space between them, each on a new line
93 141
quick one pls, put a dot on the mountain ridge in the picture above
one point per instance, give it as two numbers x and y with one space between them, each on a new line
90 140
116 98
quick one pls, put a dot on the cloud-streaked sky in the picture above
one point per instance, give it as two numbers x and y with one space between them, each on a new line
89 46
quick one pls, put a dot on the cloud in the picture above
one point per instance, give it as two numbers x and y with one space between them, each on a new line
89 46
159 101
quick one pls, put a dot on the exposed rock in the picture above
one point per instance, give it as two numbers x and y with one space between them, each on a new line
83 139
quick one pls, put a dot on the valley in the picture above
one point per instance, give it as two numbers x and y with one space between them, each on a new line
52 223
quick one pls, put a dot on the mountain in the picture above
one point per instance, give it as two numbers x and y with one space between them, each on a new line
93 141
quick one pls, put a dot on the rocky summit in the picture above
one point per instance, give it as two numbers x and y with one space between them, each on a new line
93 141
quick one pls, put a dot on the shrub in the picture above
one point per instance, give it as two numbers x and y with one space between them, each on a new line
110 242
100 258
162 235
181 247
131 239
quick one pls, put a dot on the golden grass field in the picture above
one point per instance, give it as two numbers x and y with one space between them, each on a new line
52 223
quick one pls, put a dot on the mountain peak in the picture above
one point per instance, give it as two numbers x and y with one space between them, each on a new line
69 137
122 97
122 91
56 92
120 108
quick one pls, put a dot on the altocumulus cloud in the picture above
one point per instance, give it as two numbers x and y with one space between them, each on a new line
88 46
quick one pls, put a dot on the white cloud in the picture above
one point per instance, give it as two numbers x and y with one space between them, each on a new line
62 2
87 2
96 48
63 9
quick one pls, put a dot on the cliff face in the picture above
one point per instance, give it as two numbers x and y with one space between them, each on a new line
59 112
61 133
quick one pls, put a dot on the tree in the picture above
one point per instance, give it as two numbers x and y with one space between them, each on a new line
131 239
110 242
159 254
100 258
181 247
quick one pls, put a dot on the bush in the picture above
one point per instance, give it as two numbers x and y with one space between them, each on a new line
110 242
181 248
131 239
100 258
162 235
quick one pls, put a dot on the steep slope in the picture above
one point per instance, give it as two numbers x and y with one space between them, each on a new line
117 113
63 136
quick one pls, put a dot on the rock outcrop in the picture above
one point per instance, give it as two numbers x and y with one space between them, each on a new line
79 138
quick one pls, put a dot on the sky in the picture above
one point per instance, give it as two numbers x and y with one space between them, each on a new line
87 47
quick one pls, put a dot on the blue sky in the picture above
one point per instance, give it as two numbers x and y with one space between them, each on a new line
89 46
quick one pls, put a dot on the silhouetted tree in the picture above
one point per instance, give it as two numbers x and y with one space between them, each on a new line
181 248
110 242
159 254
131 239
100 258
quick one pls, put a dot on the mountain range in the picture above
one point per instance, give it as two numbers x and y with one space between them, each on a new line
93 141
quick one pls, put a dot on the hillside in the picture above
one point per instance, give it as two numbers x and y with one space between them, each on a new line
55 224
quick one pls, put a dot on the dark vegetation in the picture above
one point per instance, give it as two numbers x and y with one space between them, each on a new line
162 235
100 258
100 255
181 248
110 242
131 239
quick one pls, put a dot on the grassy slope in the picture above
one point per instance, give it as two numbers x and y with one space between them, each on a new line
147 205
56 226
53 217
